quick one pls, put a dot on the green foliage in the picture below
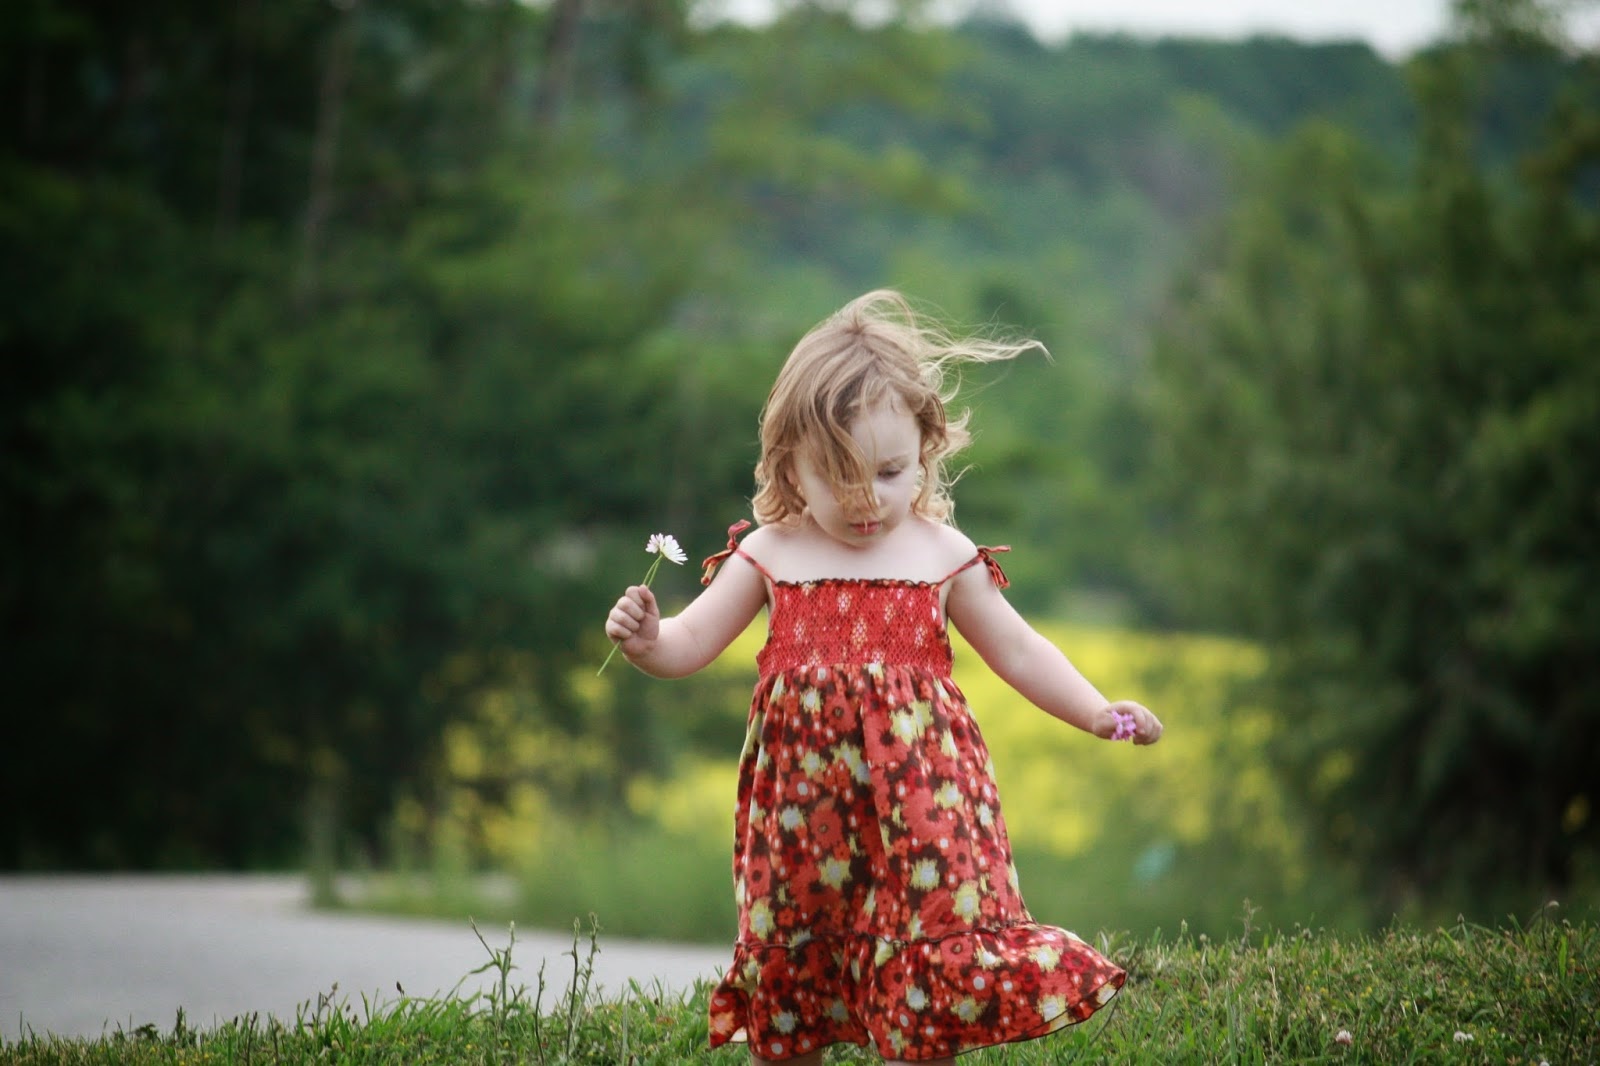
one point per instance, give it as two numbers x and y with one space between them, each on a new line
1378 407
1463 993
1404 995
270 487
352 348
348 339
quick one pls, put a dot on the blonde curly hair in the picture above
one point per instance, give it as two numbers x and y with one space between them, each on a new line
874 349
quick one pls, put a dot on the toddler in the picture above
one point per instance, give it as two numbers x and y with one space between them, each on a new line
877 899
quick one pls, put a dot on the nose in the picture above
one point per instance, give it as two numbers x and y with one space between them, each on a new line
856 512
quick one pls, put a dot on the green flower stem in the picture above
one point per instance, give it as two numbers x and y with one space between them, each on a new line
649 575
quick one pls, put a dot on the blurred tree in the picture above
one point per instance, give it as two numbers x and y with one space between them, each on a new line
1514 24
1377 421
313 332
345 352
353 349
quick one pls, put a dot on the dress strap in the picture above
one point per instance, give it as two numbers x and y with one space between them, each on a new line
986 556
709 567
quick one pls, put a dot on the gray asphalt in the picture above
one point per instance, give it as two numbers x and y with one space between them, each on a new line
85 956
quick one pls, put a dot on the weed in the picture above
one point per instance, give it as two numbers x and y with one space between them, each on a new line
1529 993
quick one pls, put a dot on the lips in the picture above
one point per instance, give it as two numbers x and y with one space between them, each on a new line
867 529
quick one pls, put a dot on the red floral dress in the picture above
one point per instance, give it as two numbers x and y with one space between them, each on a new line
878 903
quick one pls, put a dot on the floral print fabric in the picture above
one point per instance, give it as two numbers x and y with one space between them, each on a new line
877 899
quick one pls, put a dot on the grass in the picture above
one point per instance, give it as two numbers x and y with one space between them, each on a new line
1464 994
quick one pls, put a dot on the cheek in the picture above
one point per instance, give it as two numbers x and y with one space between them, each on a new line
804 485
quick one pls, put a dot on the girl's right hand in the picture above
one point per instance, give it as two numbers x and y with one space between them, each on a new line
635 621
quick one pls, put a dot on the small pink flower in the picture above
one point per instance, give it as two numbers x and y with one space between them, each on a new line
1343 1037
1127 725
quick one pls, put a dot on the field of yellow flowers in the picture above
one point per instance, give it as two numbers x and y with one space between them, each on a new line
1108 836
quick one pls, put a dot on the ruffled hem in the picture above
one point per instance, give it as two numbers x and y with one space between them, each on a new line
916 1000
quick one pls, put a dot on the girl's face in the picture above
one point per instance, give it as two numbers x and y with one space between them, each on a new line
891 445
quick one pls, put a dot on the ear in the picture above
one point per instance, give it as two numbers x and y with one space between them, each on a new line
790 478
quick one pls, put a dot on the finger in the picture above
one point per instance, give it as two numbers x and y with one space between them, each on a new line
623 622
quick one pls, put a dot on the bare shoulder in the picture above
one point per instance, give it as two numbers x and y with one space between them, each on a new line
949 545
949 537
768 545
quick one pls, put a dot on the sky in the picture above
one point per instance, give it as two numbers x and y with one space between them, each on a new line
1393 27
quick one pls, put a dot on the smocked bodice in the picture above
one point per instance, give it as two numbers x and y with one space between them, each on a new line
853 622
841 622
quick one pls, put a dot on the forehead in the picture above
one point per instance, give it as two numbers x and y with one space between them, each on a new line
886 430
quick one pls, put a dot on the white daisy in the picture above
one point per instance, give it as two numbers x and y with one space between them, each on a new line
662 546
665 544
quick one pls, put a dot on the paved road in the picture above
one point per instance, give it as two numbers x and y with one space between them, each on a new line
81 956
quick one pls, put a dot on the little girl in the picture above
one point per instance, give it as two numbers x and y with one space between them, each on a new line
876 894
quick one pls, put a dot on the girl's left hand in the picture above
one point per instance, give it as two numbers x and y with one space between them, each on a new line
1147 728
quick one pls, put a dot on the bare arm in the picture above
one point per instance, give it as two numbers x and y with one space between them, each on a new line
687 642
1032 665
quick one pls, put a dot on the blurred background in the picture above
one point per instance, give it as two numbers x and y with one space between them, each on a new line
353 349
